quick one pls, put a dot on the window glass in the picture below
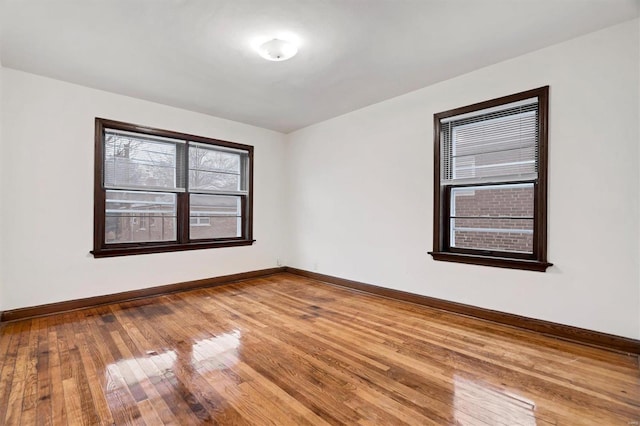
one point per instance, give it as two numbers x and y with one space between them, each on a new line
132 162
214 170
222 214
136 216
493 218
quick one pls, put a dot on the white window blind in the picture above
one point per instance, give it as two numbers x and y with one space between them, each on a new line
492 145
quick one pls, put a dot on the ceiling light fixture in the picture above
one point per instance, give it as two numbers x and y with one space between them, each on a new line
277 50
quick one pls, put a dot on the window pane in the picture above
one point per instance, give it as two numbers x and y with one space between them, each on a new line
140 163
496 217
493 201
511 235
210 169
134 216
215 216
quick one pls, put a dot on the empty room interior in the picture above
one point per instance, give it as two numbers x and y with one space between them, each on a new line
276 212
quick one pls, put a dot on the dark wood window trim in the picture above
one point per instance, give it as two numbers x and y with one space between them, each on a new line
102 249
537 261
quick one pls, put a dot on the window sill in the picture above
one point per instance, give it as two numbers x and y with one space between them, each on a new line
499 262
164 248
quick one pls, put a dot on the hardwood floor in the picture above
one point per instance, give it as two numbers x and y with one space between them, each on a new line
289 350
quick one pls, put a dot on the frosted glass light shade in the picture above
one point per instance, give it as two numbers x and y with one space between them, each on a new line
277 50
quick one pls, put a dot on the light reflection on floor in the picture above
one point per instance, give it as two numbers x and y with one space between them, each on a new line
483 402
218 352
131 371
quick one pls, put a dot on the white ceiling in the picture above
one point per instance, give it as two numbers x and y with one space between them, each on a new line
196 54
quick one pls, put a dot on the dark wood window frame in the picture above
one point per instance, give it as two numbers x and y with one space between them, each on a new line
537 260
103 249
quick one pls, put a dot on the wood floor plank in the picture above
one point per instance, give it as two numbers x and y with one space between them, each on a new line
30 394
9 355
13 408
58 408
287 350
43 409
72 402
93 364
79 373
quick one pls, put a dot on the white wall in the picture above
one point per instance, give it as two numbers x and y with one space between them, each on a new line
47 193
360 189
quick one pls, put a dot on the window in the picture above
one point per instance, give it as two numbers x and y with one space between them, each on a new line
490 194
158 191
